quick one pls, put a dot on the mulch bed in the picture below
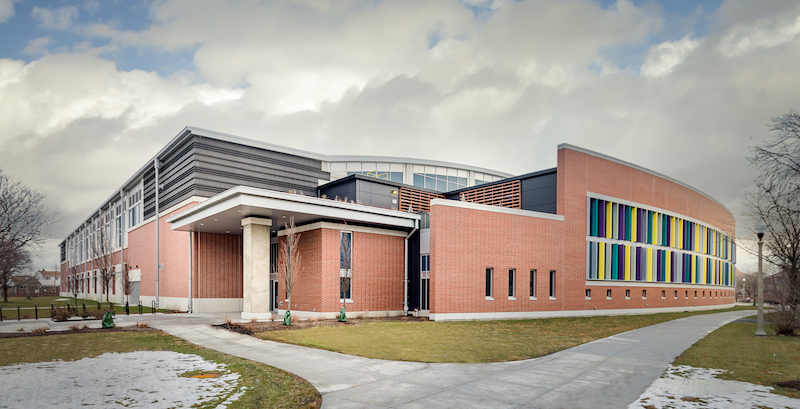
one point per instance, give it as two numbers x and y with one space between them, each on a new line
789 384
251 328
21 334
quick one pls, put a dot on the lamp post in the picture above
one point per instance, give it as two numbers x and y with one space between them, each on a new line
761 228
744 288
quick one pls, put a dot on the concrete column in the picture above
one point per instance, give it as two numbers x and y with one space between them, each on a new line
255 257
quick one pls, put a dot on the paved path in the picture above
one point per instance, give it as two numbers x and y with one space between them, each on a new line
607 373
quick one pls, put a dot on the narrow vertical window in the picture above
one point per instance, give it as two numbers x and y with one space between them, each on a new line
511 277
644 294
627 294
489 272
346 266
533 284
608 294
425 282
588 294
552 283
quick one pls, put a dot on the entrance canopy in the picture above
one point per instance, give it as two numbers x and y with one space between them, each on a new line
224 212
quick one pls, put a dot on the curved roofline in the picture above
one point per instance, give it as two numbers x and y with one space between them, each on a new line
643 169
337 158
202 132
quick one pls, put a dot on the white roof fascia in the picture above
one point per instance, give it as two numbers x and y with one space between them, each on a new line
640 168
267 199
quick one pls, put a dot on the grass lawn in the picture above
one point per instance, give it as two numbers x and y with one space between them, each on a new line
470 341
266 386
746 358
43 304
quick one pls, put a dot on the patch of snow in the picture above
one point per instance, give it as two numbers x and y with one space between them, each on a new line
683 386
132 379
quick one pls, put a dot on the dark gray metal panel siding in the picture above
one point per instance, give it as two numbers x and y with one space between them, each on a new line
205 167
539 193
342 190
376 194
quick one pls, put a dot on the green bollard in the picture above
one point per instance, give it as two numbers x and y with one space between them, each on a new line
287 318
342 317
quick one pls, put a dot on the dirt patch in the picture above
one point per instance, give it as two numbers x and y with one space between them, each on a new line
79 331
789 384
251 328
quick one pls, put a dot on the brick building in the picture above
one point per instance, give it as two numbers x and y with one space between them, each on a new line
383 235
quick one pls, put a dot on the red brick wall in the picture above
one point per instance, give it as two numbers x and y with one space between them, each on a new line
377 272
174 253
464 242
219 271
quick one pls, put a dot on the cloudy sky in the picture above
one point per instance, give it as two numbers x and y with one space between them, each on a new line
90 90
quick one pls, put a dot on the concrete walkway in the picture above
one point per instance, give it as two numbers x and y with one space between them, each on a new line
607 373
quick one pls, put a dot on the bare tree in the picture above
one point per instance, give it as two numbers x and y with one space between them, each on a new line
776 201
12 263
126 279
104 258
24 217
289 263
345 270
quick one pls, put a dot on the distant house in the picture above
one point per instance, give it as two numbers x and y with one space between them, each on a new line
25 285
51 281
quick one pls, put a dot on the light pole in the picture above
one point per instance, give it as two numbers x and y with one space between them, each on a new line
744 288
761 228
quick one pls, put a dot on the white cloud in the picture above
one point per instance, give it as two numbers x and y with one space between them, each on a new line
37 46
663 58
6 10
762 33
419 79
59 19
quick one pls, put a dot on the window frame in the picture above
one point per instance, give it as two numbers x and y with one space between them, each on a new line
489 283
552 284
345 273
532 284
512 272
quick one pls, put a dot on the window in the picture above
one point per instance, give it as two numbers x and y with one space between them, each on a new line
644 294
686 295
663 294
695 295
489 272
346 266
511 273
704 294
608 294
588 294
425 282
533 285
627 294
553 284
676 294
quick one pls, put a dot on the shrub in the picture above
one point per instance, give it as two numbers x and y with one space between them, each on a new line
785 319
75 327
92 314
60 314
39 330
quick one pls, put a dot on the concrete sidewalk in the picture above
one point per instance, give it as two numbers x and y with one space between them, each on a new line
607 373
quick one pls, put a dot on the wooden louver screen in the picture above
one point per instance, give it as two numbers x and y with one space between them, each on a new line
504 195
418 200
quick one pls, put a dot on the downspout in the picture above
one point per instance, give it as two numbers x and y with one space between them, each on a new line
405 269
189 308
122 247
158 261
